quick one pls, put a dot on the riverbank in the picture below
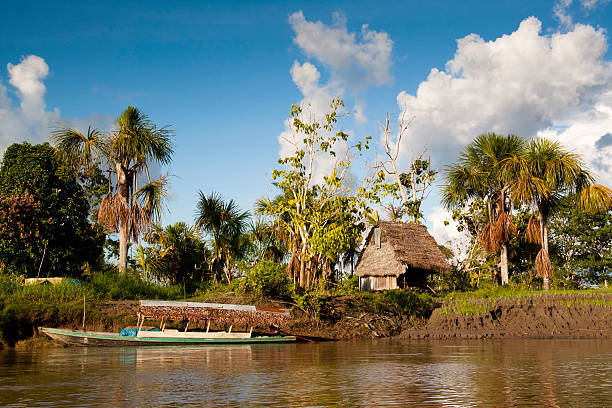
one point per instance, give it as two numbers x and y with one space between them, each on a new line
586 314
545 315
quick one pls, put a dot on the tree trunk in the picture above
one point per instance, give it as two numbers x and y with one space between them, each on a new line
503 264
123 184
544 237
302 279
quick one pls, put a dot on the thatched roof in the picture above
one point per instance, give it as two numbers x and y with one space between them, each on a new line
409 245
158 309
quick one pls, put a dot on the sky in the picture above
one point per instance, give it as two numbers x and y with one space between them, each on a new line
224 75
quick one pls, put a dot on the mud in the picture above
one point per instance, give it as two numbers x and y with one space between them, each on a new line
574 315
536 316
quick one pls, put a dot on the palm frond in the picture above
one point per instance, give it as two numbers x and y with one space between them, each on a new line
107 216
595 198
152 197
138 140
543 265
77 149
532 233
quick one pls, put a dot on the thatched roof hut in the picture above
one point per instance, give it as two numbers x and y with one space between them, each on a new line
398 255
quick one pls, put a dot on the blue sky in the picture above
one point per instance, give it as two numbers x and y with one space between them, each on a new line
221 74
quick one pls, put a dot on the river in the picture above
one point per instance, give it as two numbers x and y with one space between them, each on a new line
552 373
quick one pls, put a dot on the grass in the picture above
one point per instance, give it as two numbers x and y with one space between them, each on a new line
24 307
481 301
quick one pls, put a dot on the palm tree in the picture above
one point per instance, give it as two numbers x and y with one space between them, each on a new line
226 224
478 174
544 177
284 230
127 208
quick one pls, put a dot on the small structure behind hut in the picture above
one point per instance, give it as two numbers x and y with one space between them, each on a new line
398 256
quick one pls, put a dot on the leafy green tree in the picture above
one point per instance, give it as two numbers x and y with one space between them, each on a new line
543 177
176 254
128 207
479 174
303 202
265 241
581 245
44 197
226 224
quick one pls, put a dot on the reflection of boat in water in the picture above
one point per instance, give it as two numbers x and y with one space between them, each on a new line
184 312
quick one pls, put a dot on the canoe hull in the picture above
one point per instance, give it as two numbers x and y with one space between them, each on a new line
84 338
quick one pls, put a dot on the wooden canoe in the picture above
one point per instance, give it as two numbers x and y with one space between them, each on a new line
90 338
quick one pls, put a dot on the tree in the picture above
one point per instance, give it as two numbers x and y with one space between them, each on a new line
479 174
42 198
544 176
584 255
226 224
176 254
127 208
303 202
409 187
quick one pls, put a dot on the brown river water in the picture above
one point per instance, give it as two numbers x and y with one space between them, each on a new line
504 373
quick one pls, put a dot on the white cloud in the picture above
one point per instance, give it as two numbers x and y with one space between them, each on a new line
355 62
444 229
561 10
315 105
589 134
361 61
592 4
30 121
519 83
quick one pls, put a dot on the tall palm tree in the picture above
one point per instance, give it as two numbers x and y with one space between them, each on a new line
225 223
127 208
544 177
479 174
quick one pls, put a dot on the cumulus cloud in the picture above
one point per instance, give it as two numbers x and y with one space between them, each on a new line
30 120
444 229
355 62
315 105
521 83
589 134
360 60
561 10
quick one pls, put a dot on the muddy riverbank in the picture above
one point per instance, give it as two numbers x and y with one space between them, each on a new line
570 315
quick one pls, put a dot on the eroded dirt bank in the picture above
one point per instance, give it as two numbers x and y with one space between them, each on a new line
573 315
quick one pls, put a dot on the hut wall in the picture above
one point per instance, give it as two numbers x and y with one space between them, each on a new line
413 278
375 283
379 261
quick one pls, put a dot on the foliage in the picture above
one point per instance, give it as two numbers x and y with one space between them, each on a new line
581 246
409 302
176 255
119 286
545 176
43 196
319 220
266 279
129 207
479 174
226 224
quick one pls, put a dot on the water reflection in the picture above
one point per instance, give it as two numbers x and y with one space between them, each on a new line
553 373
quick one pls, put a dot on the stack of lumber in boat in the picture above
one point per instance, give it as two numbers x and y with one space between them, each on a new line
157 309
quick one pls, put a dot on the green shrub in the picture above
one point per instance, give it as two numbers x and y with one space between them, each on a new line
8 284
408 302
266 279
116 286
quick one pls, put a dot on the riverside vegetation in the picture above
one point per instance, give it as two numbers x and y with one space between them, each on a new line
87 207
